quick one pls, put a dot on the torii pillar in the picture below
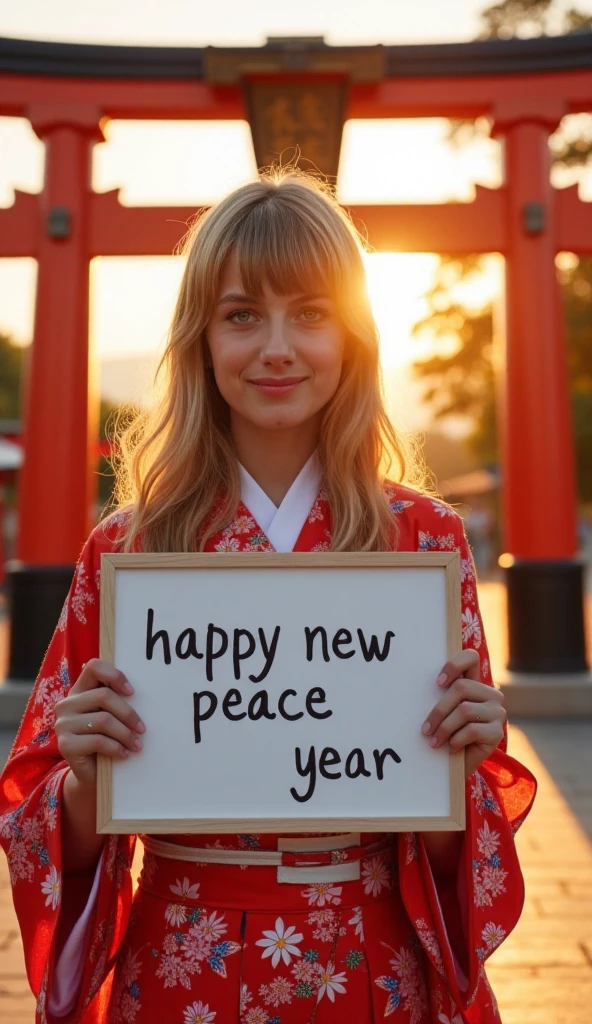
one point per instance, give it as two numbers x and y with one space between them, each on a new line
58 480
545 579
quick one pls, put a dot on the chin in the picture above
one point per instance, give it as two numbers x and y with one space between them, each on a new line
281 419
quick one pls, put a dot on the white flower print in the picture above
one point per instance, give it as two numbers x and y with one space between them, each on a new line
316 511
280 944
467 570
319 893
51 888
487 841
375 876
454 1017
228 544
483 797
430 943
407 988
256 1015
492 935
243 524
188 892
305 972
442 510
493 879
326 922
212 927
471 628
358 922
277 992
198 1013
330 983
175 914
81 595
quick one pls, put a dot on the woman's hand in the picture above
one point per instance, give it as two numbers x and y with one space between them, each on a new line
470 714
96 719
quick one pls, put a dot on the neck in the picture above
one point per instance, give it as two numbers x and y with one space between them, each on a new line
274 458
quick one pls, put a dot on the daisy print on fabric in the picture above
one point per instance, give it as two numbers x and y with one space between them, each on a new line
280 944
375 876
199 1013
51 888
319 893
330 983
175 914
228 544
356 920
188 892
492 935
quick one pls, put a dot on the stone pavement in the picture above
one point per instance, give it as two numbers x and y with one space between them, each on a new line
542 974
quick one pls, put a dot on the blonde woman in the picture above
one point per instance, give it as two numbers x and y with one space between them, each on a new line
270 435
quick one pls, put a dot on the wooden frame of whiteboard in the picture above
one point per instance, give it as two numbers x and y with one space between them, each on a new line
448 561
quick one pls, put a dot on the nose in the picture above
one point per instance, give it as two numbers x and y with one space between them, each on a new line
277 349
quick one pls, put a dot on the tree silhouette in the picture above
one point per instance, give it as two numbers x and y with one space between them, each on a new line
459 377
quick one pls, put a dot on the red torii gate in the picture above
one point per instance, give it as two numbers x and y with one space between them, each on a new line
69 91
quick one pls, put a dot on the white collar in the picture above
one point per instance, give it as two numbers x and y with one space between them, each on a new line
283 525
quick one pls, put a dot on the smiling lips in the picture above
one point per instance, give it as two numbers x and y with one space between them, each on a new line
275 387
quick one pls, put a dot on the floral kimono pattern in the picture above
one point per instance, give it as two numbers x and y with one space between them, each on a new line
225 944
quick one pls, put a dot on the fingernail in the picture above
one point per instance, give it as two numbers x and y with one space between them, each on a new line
140 727
442 678
138 744
128 688
434 741
426 728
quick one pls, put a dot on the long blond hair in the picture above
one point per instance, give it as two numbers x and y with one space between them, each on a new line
177 469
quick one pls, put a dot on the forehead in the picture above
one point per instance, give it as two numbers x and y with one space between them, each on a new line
231 281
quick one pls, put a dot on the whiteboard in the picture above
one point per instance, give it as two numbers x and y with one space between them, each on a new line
281 691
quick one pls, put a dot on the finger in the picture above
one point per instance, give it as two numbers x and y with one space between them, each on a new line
461 689
103 723
104 699
464 713
97 671
486 735
464 663
72 746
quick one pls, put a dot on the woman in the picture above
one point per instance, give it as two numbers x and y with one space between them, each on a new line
270 435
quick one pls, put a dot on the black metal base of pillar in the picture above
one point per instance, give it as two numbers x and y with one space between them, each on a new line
546 617
35 598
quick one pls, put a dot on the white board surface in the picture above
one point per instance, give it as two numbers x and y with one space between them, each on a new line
248 769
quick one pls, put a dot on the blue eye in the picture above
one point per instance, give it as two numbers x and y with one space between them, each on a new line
235 312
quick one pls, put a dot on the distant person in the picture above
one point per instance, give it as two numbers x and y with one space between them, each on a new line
270 436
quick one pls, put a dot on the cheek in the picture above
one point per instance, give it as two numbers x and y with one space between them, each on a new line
229 361
326 360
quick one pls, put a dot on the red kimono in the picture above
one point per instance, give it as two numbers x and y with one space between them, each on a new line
202 943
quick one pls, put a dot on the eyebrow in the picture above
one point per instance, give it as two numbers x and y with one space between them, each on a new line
240 297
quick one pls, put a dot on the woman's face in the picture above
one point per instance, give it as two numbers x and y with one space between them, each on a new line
277 359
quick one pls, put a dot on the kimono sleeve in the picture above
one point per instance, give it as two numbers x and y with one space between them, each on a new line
461 921
31 788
